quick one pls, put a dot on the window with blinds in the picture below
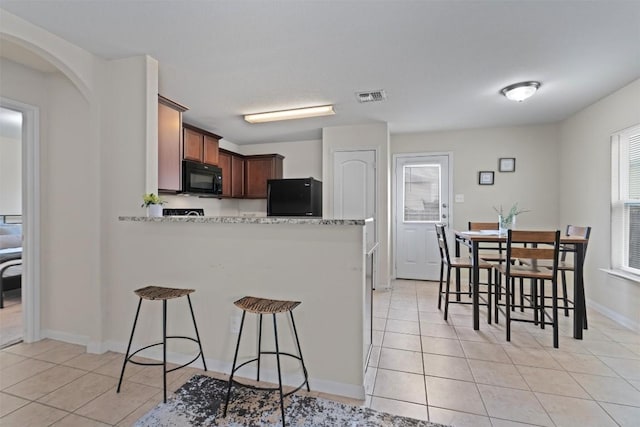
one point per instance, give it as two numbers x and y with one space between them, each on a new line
625 207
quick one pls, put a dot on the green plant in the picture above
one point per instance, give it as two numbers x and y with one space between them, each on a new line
151 199
508 218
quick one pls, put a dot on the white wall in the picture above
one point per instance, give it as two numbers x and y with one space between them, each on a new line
69 239
363 137
10 176
533 185
585 179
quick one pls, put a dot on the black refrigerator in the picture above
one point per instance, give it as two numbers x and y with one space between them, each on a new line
294 197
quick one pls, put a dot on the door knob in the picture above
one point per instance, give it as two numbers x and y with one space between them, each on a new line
444 205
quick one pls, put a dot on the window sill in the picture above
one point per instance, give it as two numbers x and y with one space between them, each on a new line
624 274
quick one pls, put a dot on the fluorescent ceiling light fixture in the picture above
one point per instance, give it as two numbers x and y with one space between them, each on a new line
520 91
298 113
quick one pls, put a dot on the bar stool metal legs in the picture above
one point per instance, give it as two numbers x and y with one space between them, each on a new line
163 294
262 306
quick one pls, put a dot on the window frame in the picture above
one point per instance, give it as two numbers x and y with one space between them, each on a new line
621 201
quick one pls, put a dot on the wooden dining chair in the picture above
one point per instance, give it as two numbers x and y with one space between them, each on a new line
540 249
449 263
489 252
565 266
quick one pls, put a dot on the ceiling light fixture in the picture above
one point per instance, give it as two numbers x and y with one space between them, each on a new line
298 113
520 91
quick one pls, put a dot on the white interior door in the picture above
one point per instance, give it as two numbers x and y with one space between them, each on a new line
421 200
354 184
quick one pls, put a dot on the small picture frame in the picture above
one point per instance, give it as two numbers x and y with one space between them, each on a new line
485 178
507 164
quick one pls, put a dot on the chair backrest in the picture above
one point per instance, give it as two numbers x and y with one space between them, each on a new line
549 248
441 235
574 230
477 226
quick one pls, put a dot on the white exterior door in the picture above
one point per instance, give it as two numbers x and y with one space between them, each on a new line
421 200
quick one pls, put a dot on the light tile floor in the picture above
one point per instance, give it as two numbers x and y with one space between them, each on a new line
446 372
421 366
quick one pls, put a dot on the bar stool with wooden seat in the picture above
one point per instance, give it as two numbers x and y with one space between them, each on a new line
565 265
163 294
458 263
539 249
261 306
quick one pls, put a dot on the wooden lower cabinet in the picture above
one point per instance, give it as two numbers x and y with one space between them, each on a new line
259 169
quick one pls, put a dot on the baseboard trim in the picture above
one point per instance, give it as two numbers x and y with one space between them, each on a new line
269 375
613 315
65 337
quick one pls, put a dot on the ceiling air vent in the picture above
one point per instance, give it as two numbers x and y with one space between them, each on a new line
372 96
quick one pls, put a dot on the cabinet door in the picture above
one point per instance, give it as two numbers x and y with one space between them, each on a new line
258 170
210 150
225 163
169 139
237 176
193 143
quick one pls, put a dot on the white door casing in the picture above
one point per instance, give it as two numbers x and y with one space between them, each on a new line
421 199
31 217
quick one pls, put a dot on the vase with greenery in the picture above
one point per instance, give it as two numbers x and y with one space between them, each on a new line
507 220
153 203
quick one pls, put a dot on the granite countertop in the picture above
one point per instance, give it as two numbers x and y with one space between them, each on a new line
244 220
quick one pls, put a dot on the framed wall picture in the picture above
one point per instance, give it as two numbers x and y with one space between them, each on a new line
507 164
485 177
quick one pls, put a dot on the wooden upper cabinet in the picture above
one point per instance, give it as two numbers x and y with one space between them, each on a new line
232 166
169 144
210 155
224 161
258 169
237 176
193 145
200 145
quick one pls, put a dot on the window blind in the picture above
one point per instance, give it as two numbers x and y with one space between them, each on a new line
632 202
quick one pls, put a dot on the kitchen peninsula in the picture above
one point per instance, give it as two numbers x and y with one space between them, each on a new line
320 262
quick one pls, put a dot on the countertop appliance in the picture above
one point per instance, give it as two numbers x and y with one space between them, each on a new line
294 197
182 212
200 178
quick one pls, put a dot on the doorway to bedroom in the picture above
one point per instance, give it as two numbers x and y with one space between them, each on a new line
11 147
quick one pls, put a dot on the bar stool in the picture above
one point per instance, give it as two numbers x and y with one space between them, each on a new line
262 306
163 294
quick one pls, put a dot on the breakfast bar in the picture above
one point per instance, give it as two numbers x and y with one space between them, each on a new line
320 262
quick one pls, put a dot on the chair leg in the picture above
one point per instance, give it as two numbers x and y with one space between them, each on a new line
521 295
164 348
542 304
489 286
534 301
446 295
512 283
233 367
197 334
126 356
259 345
275 334
440 287
554 313
304 368
507 311
564 292
584 307
498 286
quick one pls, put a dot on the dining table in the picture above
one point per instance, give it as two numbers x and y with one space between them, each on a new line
474 240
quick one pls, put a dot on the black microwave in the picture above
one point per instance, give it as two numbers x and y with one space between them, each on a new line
200 178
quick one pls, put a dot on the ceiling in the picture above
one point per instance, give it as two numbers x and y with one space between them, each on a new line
441 63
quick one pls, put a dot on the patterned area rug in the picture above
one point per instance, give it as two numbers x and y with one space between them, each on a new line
200 402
